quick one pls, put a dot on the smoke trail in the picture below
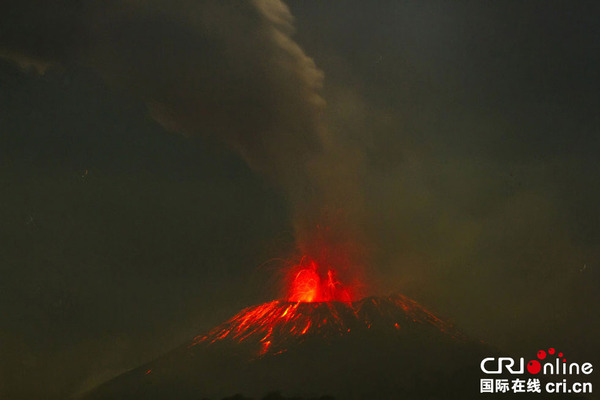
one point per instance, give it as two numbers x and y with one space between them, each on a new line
225 68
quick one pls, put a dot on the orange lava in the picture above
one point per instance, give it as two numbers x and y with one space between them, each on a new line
275 326
309 282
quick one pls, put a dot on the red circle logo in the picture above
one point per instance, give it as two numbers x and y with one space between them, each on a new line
534 367
541 354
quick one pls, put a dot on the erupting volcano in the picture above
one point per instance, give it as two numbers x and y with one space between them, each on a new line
317 340
276 326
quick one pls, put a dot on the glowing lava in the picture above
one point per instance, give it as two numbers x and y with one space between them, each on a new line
311 283
274 327
318 305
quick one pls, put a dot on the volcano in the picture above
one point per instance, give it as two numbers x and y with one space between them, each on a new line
275 327
375 348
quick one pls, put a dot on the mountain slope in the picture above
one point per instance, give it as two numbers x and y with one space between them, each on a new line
379 348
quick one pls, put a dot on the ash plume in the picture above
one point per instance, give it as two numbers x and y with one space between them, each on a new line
225 68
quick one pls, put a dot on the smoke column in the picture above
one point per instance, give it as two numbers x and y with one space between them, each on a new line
225 68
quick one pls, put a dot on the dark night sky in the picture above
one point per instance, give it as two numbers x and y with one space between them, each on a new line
479 137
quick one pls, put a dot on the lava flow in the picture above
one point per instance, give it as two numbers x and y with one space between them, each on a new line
317 304
278 325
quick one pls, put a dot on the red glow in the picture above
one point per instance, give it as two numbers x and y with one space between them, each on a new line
312 283
273 327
